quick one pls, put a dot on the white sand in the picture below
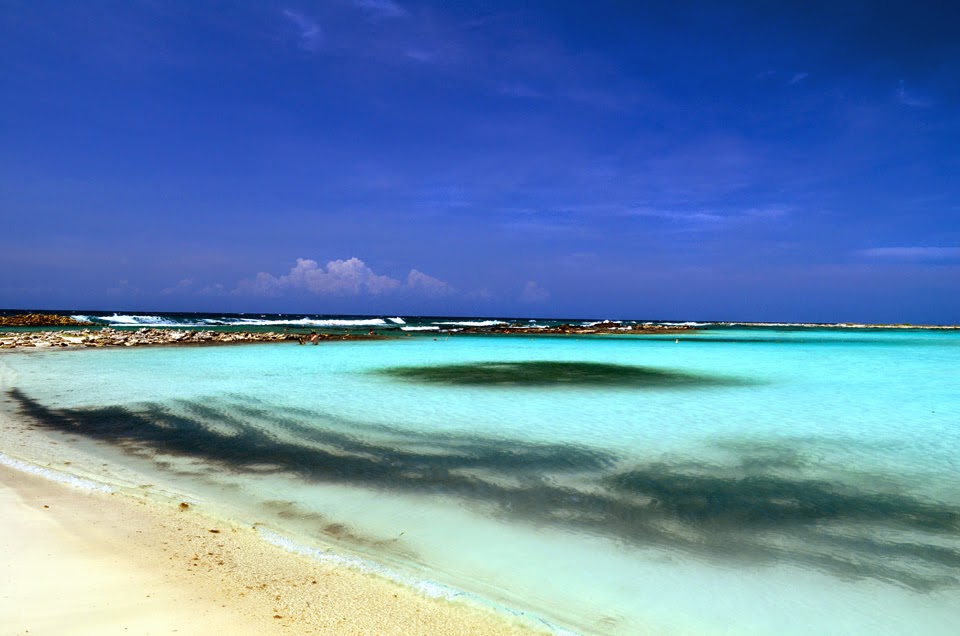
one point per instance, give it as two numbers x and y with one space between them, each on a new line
80 562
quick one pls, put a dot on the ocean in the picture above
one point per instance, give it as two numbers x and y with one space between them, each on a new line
734 479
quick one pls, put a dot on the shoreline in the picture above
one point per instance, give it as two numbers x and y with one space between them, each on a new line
251 580
62 392
122 564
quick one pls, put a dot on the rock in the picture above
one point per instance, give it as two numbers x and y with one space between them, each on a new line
110 337
39 320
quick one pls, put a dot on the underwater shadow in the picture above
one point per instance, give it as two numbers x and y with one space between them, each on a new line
762 517
547 373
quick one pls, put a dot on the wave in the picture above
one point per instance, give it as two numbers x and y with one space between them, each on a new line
472 323
685 324
147 320
421 328
228 320
309 322
123 320
53 475
812 325
599 322
369 322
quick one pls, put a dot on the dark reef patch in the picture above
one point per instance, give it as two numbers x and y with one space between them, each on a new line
546 373
759 509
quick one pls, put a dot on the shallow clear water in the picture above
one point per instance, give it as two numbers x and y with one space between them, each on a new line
736 481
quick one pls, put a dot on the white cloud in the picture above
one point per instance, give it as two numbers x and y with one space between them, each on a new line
911 253
351 277
797 78
308 31
534 293
263 284
348 277
428 284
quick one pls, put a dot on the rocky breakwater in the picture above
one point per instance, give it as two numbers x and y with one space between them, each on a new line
599 328
146 337
40 320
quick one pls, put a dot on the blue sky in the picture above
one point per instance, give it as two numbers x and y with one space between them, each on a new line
673 160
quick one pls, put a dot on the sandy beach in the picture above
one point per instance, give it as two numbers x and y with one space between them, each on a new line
86 562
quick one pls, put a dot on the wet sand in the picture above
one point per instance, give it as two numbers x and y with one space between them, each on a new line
85 562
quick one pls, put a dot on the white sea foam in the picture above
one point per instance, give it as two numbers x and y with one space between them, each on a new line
424 586
533 324
311 322
265 320
813 325
685 324
368 322
472 323
836 325
427 587
144 320
122 320
421 328
53 475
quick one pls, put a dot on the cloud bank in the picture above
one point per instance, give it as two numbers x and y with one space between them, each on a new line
351 277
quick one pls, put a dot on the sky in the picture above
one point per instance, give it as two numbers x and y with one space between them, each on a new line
759 161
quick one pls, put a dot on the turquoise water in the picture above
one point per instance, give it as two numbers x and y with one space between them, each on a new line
737 481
